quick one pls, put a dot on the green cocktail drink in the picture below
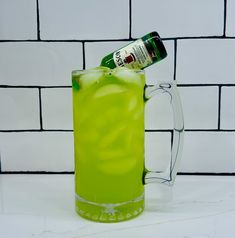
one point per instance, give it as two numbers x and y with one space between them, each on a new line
108 110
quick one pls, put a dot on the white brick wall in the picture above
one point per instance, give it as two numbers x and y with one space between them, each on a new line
178 18
200 106
88 19
19 109
228 108
206 61
36 151
37 57
39 63
18 20
57 108
208 152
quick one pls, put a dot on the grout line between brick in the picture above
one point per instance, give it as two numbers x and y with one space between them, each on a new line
57 86
206 85
175 58
72 172
219 107
191 130
38 21
36 130
83 56
121 39
36 172
146 130
30 86
172 138
130 19
40 108
225 18
205 174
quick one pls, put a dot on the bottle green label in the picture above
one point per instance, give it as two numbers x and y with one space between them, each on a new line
134 56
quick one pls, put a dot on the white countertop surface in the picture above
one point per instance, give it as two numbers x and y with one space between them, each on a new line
42 206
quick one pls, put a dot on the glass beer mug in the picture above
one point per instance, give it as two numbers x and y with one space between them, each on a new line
108 113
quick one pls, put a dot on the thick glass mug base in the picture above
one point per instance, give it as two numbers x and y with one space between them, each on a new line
109 212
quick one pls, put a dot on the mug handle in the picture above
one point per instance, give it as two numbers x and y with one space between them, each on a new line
168 176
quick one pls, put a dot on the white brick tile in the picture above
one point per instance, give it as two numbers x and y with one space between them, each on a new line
208 152
230 29
206 61
163 70
57 108
227 119
36 151
200 106
157 150
19 109
39 63
88 19
178 18
18 20
200 109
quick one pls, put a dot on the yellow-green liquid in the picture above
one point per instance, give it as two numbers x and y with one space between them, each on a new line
108 109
